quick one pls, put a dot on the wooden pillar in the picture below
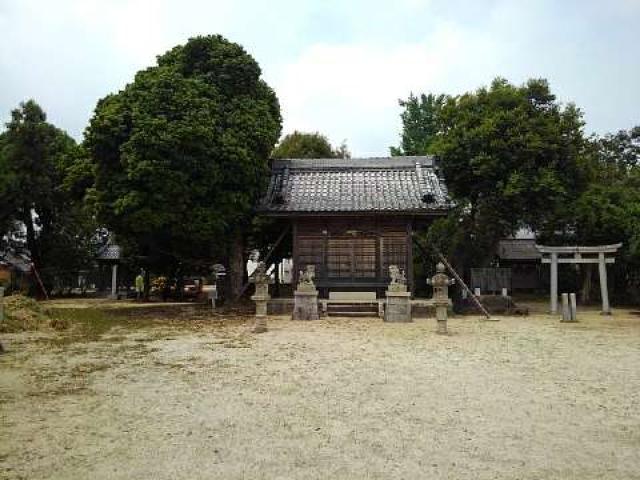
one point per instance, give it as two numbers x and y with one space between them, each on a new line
554 283
604 292
294 255
410 257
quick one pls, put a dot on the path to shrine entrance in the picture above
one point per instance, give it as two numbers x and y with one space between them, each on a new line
520 398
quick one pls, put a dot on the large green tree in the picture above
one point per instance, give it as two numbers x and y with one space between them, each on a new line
38 206
308 145
421 123
181 155
608 209
511 156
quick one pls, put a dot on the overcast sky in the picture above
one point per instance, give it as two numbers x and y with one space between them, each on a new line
338 67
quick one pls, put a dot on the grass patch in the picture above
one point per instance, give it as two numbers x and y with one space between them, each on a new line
22 314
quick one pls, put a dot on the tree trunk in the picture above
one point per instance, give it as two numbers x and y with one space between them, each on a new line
31 238
237 264
147 286
585 292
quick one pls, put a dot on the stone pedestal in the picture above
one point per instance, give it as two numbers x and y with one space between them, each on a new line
305 305
398 308
261 313
441 317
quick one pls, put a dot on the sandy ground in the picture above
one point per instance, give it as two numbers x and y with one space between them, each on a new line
522 398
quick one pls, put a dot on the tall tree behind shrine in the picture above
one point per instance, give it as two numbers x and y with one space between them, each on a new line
511 156
181 155
39 207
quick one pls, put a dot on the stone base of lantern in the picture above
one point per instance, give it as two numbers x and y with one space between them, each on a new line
398 307
260 325
441 317
305 305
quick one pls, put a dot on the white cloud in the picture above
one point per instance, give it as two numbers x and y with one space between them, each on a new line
338 67
351 91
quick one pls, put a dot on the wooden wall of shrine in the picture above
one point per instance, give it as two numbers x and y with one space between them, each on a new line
352 253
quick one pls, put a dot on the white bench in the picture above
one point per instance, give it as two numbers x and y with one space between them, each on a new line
350 298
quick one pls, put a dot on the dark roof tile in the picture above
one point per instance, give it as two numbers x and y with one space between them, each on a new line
392 184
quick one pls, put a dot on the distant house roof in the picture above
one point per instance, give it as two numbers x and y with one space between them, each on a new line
394 185
19 261
109 252
518 249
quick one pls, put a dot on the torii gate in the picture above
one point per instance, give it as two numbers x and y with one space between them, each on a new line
556 255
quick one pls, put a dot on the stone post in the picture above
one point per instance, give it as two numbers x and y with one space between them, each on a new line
604 291
261 296
554 283
305 306
440 283
573 306
566 312
398 307
114 281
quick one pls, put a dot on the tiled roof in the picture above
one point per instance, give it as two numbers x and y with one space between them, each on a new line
109 252
386 185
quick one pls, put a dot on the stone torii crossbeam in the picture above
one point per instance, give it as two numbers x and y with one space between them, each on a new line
579 255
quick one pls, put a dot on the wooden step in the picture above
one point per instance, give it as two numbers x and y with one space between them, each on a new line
352 310
352 314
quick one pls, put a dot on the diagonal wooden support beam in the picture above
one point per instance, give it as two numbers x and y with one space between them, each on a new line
266 258
457 277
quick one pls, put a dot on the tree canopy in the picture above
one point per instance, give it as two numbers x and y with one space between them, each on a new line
38 207
308 145
511 156
421 123
181 153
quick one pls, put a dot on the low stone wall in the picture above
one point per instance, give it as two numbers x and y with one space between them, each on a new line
423 311
280 306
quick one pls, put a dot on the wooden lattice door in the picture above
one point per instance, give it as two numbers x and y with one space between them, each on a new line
351 258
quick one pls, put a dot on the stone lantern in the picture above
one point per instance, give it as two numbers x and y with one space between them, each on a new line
440 283
261 296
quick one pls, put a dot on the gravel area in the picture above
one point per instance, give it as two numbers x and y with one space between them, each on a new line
522 398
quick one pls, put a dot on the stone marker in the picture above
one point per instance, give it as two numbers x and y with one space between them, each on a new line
261 296
398 308
305 306
211 292
476 292
505 292
440 283
566 312
573 307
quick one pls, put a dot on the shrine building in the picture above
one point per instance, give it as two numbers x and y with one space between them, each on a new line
353 218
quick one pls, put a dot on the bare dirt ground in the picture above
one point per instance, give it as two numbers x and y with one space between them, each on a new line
202 398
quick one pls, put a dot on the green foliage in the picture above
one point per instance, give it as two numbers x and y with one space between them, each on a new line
421 124
511 156
38 206
608 209
308 145
181 154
